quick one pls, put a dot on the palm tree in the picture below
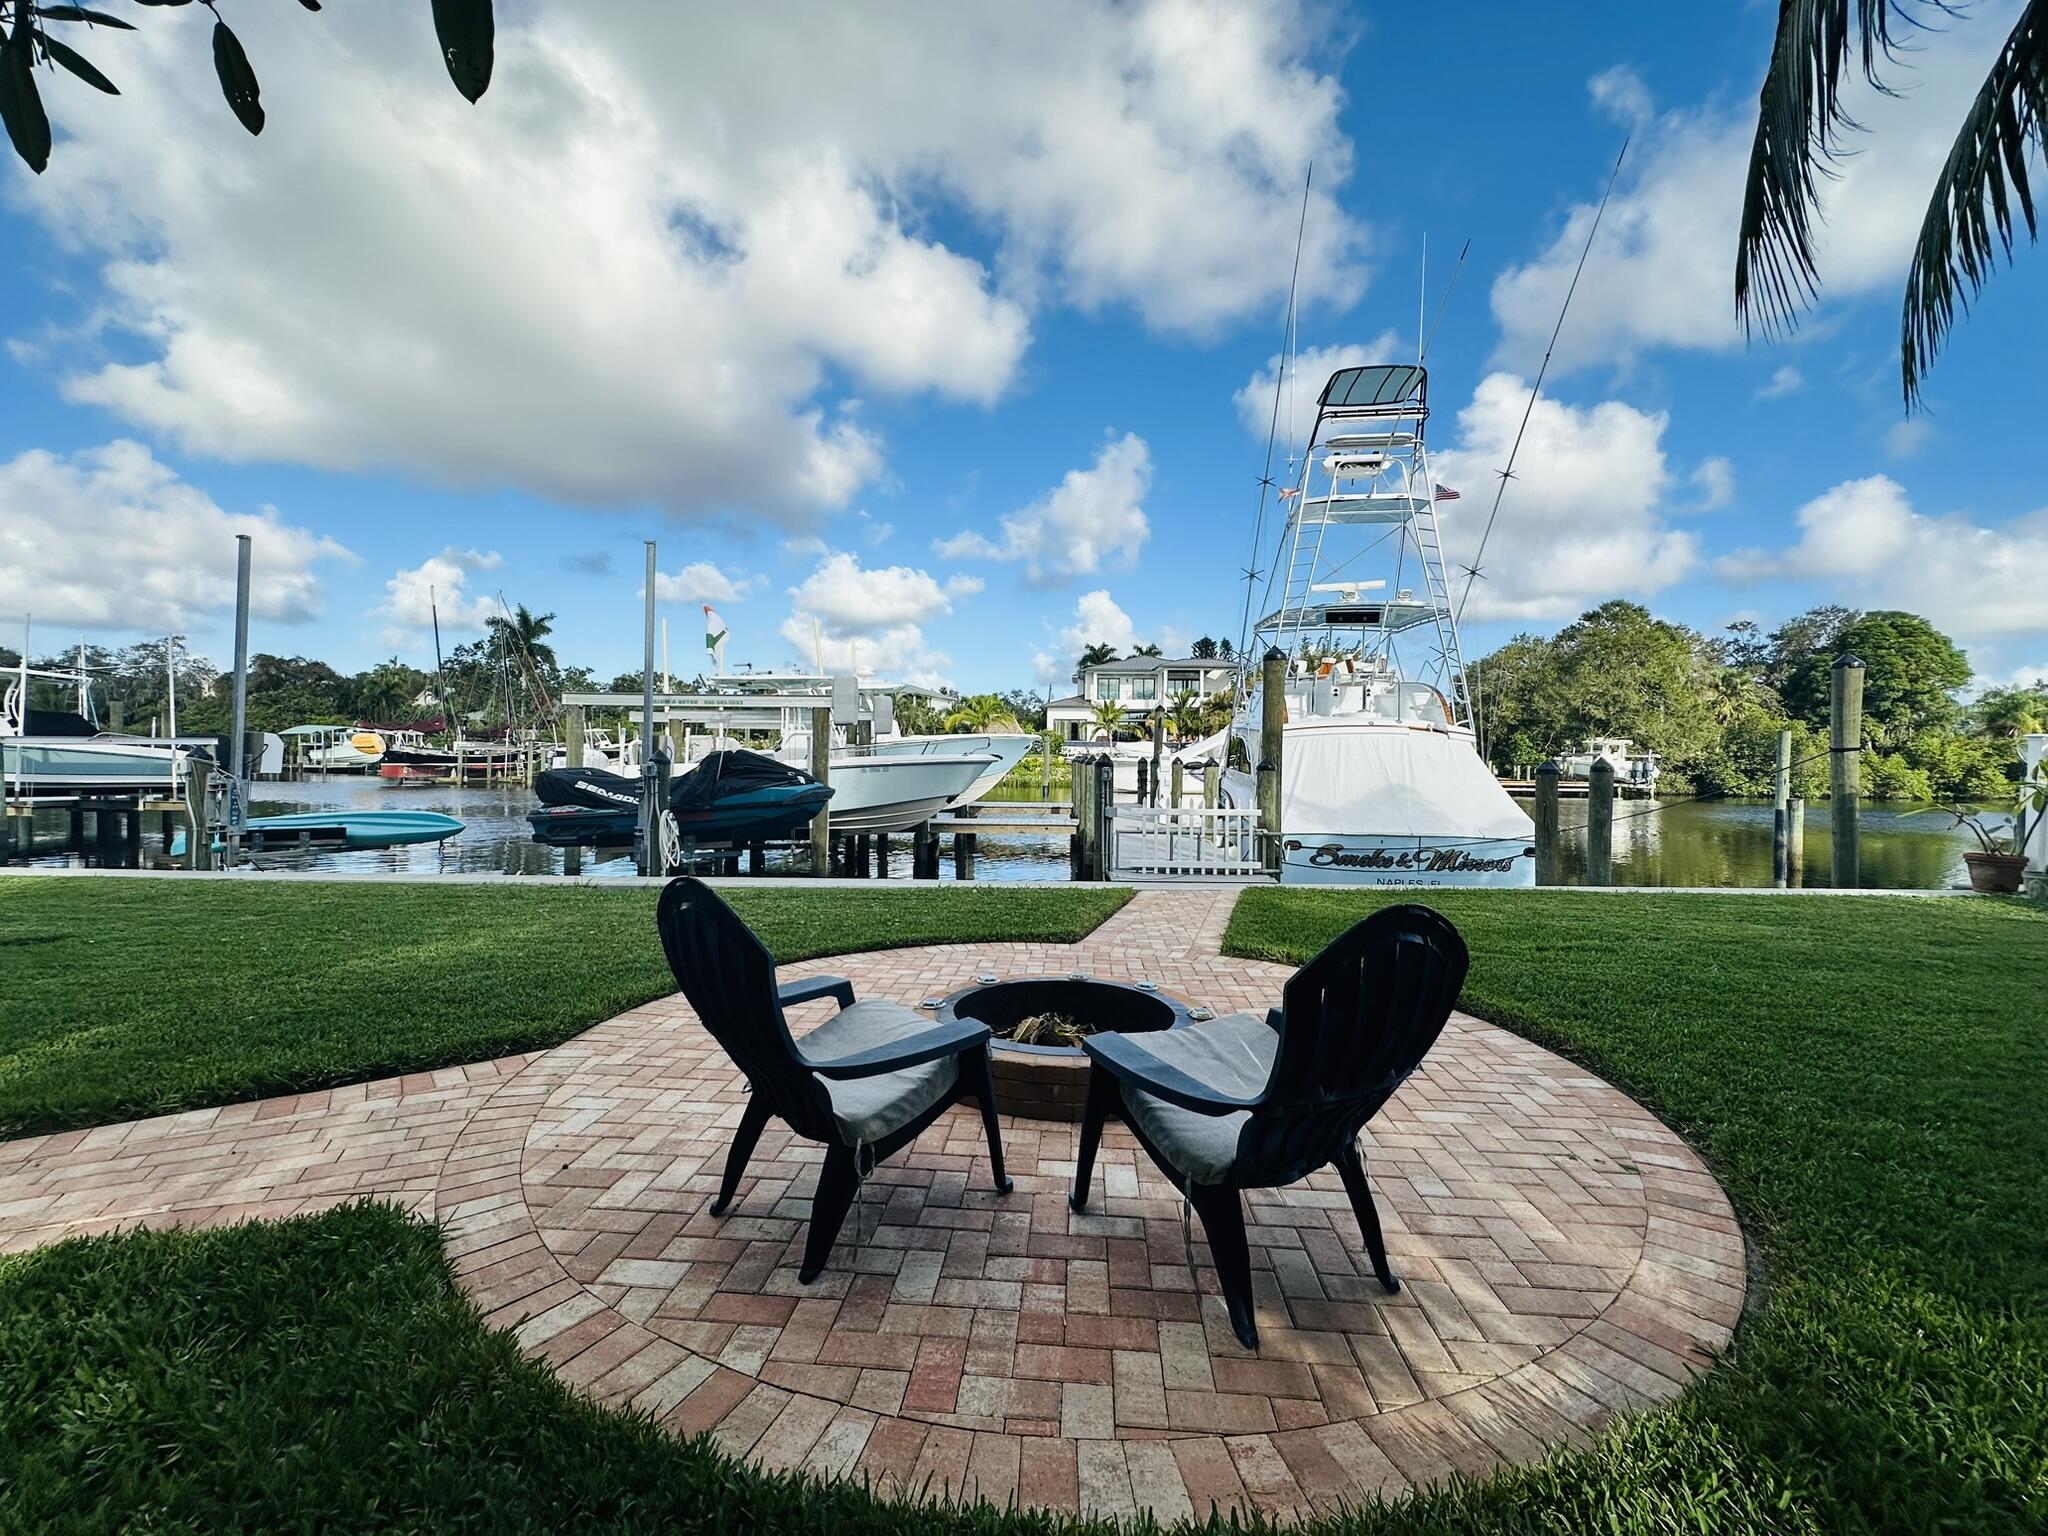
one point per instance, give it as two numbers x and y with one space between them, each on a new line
1109 718
1093 656
1800 122
1144 650
526 633
1184 714
980 712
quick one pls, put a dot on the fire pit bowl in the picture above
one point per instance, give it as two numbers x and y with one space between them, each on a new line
1050 1082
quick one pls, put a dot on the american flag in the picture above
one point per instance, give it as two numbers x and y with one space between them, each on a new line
1445 493
1291 491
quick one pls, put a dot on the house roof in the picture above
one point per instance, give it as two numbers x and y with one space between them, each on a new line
1072 700
1154 663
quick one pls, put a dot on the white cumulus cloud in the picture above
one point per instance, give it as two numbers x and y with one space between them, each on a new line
110 538
701 581
1583 519
1308 372
1094 517
1864 541
438 589
1098 620
871 618
1661 272
663 257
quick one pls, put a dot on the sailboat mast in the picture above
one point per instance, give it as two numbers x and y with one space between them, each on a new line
171 681
440 680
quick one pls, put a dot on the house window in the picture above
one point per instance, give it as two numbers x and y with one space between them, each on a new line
1109 688
1145 687
1181 682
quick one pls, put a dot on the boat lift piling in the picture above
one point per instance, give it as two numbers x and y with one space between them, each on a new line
1845 763
1781 814
1600 823
1272 729
1547 850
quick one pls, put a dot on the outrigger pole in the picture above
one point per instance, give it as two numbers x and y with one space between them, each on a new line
1507 474
1251 571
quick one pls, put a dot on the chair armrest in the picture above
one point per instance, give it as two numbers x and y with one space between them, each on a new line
911 1051
1273 1018
810 988
1131 1063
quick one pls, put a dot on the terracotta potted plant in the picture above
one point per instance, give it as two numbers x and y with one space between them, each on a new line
2000 862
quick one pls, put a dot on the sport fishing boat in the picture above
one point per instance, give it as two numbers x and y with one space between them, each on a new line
335 748
60 751
730 797
1005 749
1381 781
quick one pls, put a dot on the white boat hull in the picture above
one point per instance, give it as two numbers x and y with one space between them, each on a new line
1007 749
88 765
894 794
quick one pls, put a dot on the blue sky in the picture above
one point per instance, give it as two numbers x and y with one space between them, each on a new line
952 364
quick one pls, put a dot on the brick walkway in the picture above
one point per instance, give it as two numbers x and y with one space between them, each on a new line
1565 1256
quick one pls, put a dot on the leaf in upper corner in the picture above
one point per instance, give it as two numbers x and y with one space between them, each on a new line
21 105
72 60
237 79
80 13
311 5
468 36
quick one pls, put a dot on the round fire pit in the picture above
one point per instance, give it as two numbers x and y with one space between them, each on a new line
1050 1082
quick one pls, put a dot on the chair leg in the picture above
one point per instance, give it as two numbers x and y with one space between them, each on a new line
1352 1167
752 1118
1102 1091
1221 1208
838 1183
986 1092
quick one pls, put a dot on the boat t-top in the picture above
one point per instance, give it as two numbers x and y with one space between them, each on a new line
47 748
1381 780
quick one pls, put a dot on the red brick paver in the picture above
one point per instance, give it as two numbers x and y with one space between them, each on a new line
1565 1256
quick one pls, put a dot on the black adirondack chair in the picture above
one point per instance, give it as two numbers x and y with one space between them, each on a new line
865 1083
1243 1102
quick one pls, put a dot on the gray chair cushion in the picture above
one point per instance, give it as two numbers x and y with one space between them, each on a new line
1233 1055
870 1108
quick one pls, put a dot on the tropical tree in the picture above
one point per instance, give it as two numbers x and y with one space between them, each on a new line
2009 713
1093 656
465 28
1912 673
1144 650
1109 718
1184 715
524 634
982 712
1203 649
1801 121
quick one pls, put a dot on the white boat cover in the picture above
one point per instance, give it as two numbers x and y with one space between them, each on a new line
1392 804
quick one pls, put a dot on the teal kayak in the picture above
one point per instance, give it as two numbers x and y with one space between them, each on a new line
342 829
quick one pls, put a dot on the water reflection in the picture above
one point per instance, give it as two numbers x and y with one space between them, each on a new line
1726 843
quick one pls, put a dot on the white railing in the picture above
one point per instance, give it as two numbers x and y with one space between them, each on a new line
1190 843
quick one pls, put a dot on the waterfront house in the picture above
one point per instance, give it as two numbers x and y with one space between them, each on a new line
1140 684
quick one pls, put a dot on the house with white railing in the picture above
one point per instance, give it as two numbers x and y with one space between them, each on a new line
1138 685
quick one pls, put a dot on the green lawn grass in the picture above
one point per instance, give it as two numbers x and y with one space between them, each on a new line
123 998
1869 1078
1865 1075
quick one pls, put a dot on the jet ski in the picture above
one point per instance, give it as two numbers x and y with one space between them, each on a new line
732 797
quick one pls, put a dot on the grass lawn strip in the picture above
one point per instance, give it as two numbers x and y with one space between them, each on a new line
126 998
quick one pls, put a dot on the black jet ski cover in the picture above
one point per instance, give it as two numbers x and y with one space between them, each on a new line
592 787
721 774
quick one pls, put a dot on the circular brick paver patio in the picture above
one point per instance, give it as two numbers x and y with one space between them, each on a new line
1564 1256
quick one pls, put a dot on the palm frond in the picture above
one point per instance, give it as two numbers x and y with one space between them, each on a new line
1799 126
1969 222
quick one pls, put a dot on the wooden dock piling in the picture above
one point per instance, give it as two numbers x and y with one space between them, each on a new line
1272 730
821 770
1547 860
1845 763
1795 842
1600 823
1781 814
1158 751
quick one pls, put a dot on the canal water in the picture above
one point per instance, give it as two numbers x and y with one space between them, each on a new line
1726 843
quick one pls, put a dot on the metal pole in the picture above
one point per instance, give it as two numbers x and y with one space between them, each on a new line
647 837
1600 823
1795 842
237 743
1547 861
1845 779
1781 818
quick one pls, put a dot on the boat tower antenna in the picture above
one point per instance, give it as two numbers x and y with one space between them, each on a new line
1251 570
1508 473
440 677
